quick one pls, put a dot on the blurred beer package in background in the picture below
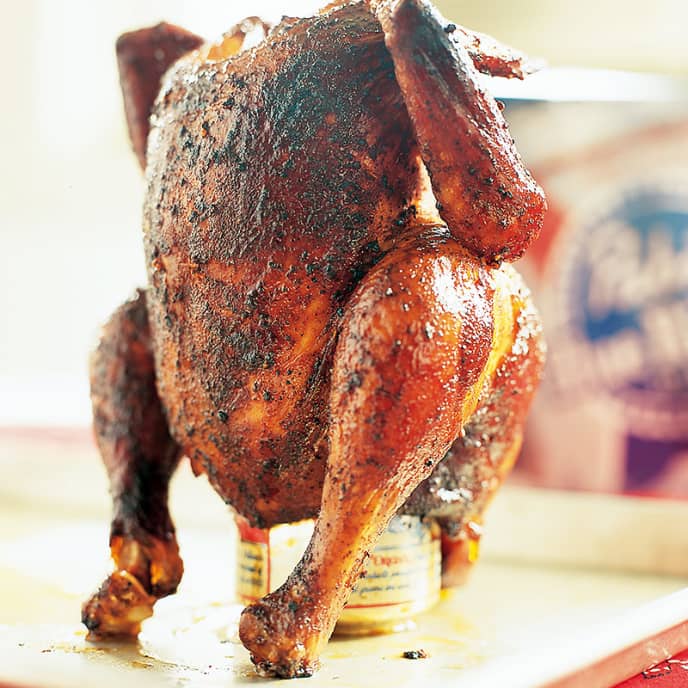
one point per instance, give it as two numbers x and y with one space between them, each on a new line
610 277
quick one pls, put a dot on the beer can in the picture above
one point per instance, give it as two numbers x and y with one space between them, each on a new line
402 573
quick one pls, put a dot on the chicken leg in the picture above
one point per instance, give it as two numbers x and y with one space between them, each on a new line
415 344
140 457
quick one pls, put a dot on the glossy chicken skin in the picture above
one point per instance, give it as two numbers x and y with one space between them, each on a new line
327 331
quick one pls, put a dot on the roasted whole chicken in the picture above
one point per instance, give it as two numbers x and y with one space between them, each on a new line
330 327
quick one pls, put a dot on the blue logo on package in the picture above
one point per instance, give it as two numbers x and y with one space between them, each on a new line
626 301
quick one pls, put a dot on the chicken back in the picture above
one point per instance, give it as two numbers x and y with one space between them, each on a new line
328 329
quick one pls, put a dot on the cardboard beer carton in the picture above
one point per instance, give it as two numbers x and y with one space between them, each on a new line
610 276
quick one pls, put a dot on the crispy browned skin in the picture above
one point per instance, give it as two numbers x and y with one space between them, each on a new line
253 263
320 336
